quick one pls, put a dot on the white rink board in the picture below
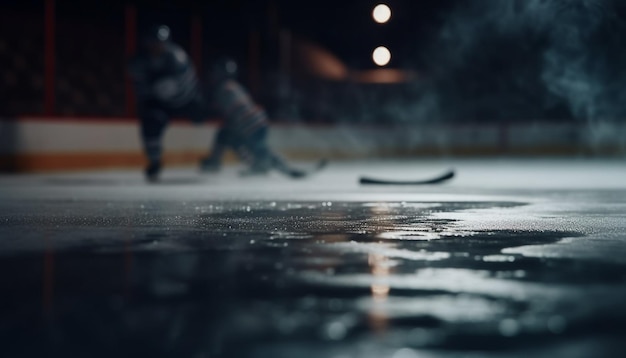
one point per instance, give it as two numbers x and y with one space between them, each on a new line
36 135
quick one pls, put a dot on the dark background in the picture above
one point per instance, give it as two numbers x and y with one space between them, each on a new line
478 61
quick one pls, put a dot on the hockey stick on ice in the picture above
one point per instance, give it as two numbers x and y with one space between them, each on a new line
435 180
298 173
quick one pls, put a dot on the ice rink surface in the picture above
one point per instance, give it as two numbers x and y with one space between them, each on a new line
511 258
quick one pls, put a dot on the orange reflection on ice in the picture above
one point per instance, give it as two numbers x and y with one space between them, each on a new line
380 268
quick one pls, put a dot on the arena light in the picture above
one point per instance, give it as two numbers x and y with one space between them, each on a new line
381 56
381 13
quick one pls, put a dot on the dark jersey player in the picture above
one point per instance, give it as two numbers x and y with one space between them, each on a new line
245 125
166 86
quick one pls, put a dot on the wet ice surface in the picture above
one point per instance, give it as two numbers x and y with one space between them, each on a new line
501 262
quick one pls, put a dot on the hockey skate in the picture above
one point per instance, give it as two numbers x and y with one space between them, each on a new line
210 165
153 172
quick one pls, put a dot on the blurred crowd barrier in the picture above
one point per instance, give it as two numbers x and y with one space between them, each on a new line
89 62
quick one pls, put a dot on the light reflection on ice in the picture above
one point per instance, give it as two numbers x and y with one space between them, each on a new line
401 205
452 280
409 235
289 235
405 353
499 258
557 324
422 234
509 327
381 267
460 308
335 330
389 251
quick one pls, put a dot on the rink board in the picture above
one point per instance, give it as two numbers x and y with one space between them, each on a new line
43 144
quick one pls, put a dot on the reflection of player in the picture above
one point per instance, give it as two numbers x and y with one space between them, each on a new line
245 125
166 85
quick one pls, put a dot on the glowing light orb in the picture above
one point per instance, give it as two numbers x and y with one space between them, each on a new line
381 13
381 56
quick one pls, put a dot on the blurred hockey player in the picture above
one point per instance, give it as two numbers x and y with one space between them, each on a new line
166 86
245 125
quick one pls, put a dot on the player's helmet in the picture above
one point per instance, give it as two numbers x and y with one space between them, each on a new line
224 68
156 34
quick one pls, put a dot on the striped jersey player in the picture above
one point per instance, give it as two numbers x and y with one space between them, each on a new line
245 125
166 86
